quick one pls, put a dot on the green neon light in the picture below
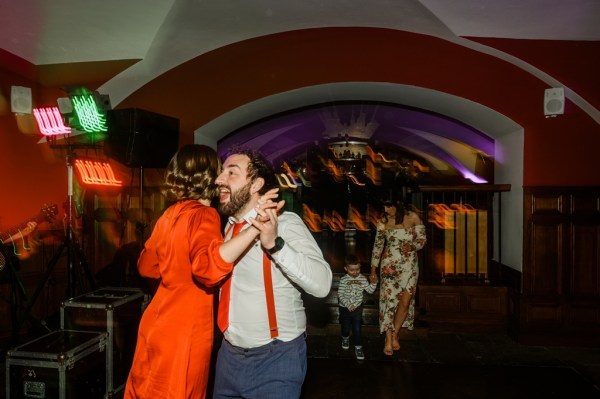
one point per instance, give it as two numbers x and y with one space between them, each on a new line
89 118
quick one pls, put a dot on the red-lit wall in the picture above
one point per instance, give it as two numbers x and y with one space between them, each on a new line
31 174
558 151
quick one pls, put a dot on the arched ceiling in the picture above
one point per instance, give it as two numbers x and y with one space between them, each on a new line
452 146
442 144
72 31
128 44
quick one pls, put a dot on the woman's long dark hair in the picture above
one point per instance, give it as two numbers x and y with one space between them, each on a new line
401 210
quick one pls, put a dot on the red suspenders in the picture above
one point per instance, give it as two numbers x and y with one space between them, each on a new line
268 281
269 294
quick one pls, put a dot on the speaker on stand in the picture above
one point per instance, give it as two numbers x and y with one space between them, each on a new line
138 138
141 139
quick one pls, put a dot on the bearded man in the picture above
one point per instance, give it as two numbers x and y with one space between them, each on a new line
261 312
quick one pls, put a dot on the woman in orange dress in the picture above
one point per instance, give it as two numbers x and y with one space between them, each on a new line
186 253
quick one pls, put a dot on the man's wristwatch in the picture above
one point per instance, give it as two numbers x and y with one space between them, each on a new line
279 243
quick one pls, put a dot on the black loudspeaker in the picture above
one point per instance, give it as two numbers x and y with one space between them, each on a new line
139 138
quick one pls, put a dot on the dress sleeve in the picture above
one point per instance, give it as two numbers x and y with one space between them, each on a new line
148 261
378 245
419 237
205 237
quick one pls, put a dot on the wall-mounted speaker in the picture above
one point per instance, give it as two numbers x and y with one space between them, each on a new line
20 100
554 101
139 138
65 106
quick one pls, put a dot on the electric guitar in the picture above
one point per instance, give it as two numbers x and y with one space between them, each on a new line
47 213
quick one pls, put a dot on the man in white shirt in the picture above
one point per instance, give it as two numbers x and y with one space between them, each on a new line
263 354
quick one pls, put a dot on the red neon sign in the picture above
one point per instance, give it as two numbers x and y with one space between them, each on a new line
96 173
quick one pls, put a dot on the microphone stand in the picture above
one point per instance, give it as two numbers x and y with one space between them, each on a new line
73 252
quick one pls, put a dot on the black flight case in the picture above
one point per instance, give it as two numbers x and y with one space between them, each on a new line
116 311
62 364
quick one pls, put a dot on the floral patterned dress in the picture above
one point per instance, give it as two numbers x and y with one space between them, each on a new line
395 253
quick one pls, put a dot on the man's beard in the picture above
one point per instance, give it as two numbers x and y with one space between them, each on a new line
237 201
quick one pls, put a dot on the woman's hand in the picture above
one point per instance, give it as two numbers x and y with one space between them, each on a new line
266 202
373 278
31 225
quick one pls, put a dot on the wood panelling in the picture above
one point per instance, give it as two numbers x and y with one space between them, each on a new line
464 307
546 260
584 280
583 316
561 266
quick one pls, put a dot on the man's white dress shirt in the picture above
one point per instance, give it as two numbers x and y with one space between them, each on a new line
299 265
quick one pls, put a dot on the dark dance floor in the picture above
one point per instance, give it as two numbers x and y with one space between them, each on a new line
448 365
443 365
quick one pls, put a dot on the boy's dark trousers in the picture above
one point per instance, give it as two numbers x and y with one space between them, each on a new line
352 320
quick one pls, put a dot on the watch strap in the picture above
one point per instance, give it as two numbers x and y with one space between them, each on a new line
279 243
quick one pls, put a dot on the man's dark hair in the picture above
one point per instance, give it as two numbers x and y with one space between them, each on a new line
258 166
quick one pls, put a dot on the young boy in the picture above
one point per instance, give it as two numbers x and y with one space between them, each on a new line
350 297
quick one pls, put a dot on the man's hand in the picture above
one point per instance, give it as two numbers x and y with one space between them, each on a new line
266 201
266 222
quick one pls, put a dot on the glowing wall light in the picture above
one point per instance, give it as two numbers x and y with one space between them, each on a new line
88 116
50 121
96 173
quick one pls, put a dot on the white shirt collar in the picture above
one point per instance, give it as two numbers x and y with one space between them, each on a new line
251 214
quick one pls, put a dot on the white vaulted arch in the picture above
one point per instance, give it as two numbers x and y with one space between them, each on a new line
507 134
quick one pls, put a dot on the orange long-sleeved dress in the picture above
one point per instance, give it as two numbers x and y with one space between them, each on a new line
175 337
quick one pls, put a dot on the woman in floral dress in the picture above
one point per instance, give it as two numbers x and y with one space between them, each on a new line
400 234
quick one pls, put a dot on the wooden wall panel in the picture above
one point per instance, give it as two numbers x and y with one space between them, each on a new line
560 299
546 259
539 314
583 316
469 308
584 277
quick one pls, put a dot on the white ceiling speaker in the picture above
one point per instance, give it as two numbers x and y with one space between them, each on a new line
554 101
20 100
